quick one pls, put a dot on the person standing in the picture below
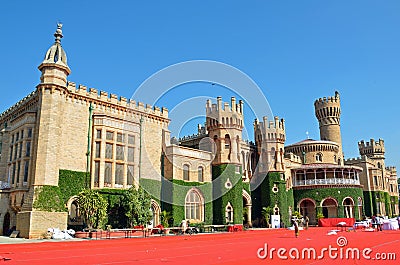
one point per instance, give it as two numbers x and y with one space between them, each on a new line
296 228
183 226
307 220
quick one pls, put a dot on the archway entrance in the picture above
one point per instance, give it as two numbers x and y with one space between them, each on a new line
307 208
75 220
348 205
156 211
329 208
246 208
6 224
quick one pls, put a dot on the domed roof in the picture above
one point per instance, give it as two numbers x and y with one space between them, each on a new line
56 54
311 141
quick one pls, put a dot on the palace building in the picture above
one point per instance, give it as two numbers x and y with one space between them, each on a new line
62 138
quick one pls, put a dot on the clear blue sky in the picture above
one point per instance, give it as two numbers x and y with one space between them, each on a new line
296 51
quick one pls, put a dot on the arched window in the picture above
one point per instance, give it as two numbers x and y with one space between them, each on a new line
318 157
229 213
185 172
227 141
194 205
200 174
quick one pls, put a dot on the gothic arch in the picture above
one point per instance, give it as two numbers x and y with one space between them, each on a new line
156 209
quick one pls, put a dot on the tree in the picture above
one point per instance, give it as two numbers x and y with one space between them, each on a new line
266 213
165 218
137 205
93 208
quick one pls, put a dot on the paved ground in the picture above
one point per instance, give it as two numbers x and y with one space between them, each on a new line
218 248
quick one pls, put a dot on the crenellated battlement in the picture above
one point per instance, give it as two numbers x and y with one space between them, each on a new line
392 170
326 101
372 147
225 107
355 160
109 98
17 105
265 125
225 114
270 130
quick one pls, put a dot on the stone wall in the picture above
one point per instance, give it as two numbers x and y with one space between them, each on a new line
34 224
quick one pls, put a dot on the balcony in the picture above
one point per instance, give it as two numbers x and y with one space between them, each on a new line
330 181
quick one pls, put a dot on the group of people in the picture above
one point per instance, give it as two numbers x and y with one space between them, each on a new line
377 222
296 222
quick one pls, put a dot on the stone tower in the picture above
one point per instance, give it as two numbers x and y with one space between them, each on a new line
327 111
51 90
225 125
374 150
48 140
270 139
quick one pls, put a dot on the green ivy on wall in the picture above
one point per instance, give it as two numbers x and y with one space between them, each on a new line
54 198
48 199
368 204
174 195
71 183
264 196
232 193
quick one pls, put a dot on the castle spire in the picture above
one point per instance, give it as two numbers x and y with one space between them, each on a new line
58 33
54 67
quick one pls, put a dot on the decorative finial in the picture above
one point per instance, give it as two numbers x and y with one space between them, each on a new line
58 33
308 137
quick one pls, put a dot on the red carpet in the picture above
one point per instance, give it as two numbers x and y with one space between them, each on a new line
224 248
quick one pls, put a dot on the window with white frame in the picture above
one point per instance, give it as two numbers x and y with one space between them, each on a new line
194 205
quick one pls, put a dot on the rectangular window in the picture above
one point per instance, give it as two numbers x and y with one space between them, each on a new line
28 149
12 138
120 152
97 155
120 138
109 151
11 152
98 134
20 150
200 174
29 132
26 171
18 171
22 134
131 139
107 174
119 174
130 175
376 180
13 173
16 151
110 136
17 137
185 172
96 173
131 154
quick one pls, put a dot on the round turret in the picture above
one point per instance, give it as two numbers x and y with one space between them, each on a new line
225 124
327 111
